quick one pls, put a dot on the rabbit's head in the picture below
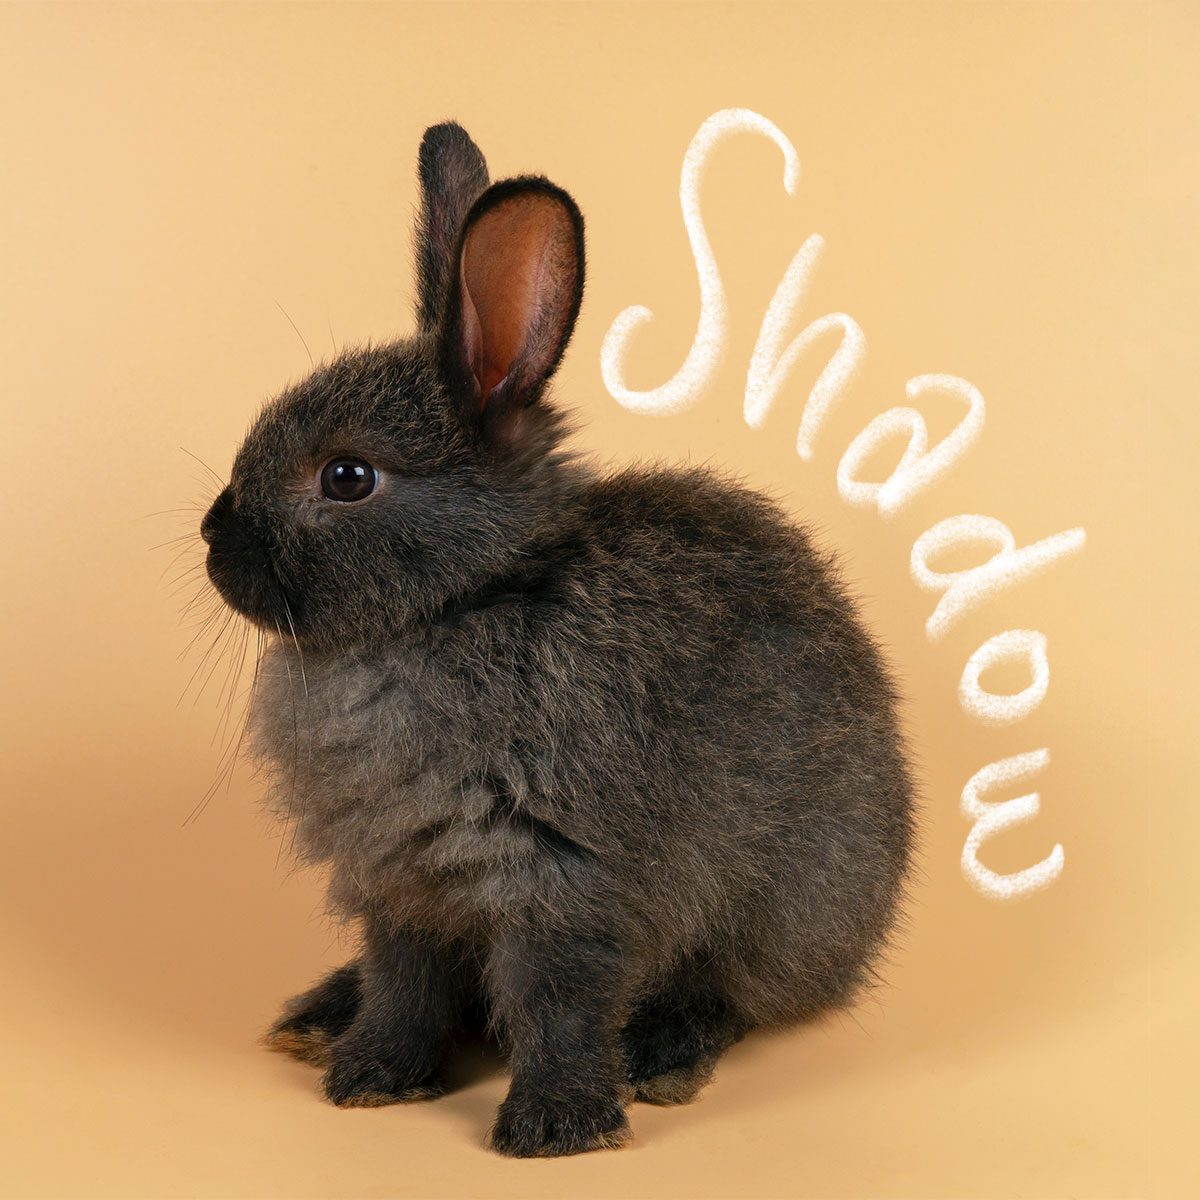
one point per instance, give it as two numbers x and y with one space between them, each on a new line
399 477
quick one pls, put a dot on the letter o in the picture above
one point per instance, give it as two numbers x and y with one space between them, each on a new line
993 709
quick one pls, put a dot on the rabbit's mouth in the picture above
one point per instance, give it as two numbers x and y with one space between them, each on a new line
242 569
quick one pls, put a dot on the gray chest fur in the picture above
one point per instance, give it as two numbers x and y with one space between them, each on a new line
378 768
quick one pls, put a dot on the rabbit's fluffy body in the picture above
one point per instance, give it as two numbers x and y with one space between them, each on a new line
656 725
607 757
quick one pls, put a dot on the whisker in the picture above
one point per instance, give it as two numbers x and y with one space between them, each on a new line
189 580
202 629
237 750
293 324
287 608
182 573
228 639
205 595
231 753
295 733
205 592
210 621
224 625
228 692
219 481
174 512
175 541
177 564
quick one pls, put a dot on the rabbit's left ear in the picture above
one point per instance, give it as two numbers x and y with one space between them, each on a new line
453 175
512 309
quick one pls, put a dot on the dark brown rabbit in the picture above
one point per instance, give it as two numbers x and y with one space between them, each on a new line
607 761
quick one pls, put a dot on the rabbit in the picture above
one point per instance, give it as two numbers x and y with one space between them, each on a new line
604 762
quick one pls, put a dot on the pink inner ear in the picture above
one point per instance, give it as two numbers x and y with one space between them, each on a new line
502 273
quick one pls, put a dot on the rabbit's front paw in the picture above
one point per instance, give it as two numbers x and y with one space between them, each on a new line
362 1078
310 1022
530 1128
303 1042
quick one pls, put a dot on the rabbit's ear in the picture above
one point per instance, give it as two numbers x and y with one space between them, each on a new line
513 307
453 175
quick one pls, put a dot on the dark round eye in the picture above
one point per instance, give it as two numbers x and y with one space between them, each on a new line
347 479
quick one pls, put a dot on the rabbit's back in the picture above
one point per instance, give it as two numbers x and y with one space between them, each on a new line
761 767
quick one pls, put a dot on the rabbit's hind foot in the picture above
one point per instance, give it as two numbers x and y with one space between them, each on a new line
672 1043
310 1022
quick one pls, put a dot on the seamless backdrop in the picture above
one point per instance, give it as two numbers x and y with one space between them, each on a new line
1007 193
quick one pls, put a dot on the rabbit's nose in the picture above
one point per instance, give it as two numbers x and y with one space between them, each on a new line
216 515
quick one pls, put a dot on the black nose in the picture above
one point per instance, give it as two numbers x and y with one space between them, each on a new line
215 516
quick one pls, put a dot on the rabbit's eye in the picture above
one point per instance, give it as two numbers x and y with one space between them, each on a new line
347 479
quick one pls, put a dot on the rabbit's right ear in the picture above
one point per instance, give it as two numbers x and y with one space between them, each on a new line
453 175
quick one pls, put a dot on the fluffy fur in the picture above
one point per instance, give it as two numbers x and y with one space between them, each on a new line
606 762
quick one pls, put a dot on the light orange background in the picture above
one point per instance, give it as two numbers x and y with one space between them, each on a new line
1007 193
